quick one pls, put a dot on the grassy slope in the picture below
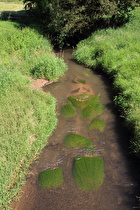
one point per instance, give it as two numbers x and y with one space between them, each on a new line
117 51
27 117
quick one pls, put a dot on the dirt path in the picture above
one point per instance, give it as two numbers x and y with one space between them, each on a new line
119 189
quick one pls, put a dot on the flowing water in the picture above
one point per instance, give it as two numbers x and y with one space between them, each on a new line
119 188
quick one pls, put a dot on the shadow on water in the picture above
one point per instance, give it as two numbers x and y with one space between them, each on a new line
121 184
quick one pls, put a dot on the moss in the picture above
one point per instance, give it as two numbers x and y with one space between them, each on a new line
97 124
83 100
68 111
51 178
75 140
92 111
88 172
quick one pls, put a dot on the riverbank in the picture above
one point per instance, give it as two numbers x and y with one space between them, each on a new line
117 52
28 116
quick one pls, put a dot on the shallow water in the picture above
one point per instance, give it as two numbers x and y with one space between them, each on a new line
119 189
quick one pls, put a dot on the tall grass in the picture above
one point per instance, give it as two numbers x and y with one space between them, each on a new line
27 117
117 52
27 49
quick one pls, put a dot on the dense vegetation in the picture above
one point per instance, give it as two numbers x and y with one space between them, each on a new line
117 52
71 20
27 116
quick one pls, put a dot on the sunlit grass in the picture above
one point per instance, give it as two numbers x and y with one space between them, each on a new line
11 6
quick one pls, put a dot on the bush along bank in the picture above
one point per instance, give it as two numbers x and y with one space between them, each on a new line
27 116
117 52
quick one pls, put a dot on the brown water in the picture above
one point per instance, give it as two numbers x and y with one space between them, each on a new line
119 188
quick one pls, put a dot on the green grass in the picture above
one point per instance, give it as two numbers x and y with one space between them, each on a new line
27 120
27 49
97 124
49 179
75 140
27 116
88 172
117 52
68 110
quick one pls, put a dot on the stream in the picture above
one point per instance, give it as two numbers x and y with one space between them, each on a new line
119 189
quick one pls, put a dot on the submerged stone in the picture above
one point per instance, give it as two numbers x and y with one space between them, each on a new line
75 140
51 178
88 172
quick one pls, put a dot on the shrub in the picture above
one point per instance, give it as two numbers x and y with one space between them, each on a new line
72 20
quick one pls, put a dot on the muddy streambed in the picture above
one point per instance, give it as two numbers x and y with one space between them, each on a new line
118 190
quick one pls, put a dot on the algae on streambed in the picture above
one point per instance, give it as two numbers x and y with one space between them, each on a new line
75 140
51 178
88 172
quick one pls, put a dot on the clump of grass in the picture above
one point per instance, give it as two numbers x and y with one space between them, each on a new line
48 67
68 110
97 124
75 140
83 100
88 172
49 179
92 111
